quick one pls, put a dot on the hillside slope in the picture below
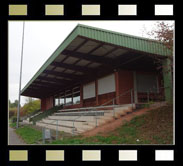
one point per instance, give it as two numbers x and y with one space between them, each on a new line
154 126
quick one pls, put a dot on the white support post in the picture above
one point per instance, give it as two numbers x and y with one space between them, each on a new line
20 81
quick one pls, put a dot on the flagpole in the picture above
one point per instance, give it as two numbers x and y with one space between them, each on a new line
20 81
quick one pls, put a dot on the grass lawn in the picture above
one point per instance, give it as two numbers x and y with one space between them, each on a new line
29 134
155 127
13 125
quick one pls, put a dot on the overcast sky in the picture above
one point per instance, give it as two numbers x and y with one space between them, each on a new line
41 38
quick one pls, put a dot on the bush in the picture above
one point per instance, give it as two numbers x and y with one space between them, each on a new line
12 112
14 119
31 107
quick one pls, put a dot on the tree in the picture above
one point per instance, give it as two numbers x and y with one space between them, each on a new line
29 100
31 106
14 104
164 32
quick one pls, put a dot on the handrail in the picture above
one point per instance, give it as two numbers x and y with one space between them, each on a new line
95 108
122 94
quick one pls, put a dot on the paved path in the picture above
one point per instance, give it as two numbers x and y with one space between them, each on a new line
14 139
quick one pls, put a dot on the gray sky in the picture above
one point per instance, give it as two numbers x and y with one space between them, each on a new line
43 37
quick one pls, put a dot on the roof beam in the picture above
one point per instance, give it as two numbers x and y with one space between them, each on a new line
100 45
56 73
56 80
37 94
46 85
39 90
72 67
93 58
107 53
82 43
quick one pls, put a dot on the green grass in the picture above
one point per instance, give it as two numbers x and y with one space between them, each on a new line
155 127
13 125
29 134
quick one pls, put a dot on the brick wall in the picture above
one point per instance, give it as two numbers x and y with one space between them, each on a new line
105 98
46 103
125 83
89 102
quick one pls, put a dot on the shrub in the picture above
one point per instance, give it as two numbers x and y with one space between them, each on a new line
14 119
31 107
12 112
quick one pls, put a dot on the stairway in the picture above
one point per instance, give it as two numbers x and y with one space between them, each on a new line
27 120
83 120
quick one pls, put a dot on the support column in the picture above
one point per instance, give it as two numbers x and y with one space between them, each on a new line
117 86
72 96
53 101
59 99
43 104
96 91
135 87
64 98
167 77
81 95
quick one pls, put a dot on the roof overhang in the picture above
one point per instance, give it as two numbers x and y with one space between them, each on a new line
91 52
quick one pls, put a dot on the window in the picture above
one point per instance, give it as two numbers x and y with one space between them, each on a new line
68 96
76 95
56 102
61 98
89 90
106 84
147 82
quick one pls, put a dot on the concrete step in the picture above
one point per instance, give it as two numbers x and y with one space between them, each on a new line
67 123
27 121
71 118
99 122
83 120
54 127
106 118
80 113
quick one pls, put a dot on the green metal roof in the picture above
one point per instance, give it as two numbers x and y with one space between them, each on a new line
127 41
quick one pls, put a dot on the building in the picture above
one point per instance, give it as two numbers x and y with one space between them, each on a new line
93 66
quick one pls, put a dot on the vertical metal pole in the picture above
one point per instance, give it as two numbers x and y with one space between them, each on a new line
18 110
57 131
43 130
73 129
96 121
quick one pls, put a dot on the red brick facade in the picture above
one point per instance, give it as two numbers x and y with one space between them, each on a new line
124 81
46 103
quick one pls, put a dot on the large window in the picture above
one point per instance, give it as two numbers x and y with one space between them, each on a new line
76 95
147 82
62 99
106 84
56 101
89 90
68 96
